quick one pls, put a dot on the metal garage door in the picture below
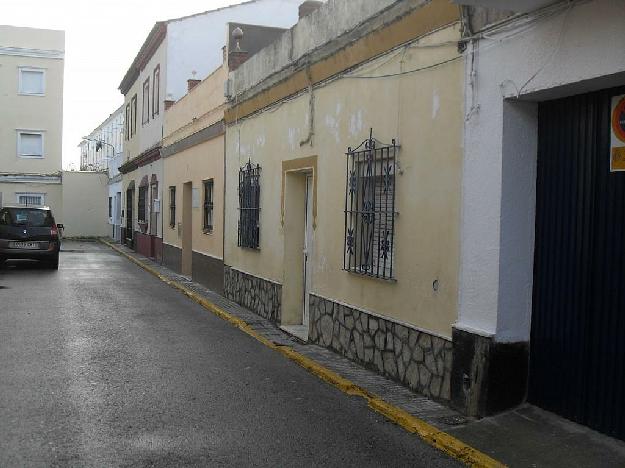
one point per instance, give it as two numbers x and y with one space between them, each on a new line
577 349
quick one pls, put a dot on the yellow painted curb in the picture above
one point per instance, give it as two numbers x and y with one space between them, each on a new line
428 433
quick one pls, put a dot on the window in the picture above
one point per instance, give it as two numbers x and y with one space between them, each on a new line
29 144
31 199
156 85
172 206
249 206
208 205
127 123
32 81
110 207
141 215
133 115
145 108
370 209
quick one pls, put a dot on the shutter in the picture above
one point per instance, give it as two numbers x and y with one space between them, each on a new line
31 144
31 82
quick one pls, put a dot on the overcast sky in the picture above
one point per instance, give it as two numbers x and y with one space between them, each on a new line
101 39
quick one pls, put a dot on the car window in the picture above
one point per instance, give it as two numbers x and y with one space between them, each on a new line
4 217
31 217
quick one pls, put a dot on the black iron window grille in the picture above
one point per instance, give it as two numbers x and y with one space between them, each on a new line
172 206
370 209
208 205
249 206
141 215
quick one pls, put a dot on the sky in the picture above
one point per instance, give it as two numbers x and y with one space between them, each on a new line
102 38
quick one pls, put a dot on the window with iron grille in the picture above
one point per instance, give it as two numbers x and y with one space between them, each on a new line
30 199
172 206
143 191
208 205
249 206
370 209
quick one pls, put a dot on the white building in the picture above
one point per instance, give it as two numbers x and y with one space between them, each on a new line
102 151
543 203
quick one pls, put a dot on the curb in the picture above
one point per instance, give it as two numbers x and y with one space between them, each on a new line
431 435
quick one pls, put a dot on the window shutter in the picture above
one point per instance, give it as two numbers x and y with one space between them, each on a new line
31 82
31 144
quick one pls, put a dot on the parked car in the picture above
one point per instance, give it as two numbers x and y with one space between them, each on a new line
29 232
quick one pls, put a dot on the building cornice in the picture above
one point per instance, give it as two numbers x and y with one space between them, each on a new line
147 157
35 53
206 134
31 178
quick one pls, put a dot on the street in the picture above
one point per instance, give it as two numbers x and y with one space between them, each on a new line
104 365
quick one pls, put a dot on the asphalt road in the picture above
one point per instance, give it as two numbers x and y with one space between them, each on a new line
101 364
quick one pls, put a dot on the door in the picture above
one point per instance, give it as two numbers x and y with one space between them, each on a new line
187 229
130 196
577 349
118 214
308 244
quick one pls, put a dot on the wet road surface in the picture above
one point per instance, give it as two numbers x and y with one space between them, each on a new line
101 364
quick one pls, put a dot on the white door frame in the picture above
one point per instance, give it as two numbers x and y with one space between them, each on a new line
308 246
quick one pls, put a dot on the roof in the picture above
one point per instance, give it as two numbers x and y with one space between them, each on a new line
153 41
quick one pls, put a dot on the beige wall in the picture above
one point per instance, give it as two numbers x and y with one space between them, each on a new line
200 108
196 164
423 111
53 195
85 204
41 49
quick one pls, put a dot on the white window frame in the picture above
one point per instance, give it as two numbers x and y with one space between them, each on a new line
19 80
31 194
32 132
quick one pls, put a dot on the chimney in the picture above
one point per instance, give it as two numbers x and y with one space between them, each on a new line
308 7
169 103
192 83
237 56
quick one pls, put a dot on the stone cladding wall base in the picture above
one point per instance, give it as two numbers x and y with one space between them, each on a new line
256 294
418 360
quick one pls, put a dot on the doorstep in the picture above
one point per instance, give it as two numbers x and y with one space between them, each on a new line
298 331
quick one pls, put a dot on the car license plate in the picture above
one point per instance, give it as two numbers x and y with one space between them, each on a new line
24 245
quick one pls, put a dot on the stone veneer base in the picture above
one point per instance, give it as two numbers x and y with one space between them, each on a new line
261 296
414 358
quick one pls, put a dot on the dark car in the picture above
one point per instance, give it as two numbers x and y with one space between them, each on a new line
29 232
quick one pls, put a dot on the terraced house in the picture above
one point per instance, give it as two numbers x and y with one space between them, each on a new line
174 51
343 167
193 153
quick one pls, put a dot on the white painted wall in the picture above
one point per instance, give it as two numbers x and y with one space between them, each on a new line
110 131
115 220
578 48
194 43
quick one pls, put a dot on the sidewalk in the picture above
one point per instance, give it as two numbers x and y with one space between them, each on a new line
525 437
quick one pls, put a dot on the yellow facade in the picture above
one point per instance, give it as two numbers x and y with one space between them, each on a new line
422 110
188 165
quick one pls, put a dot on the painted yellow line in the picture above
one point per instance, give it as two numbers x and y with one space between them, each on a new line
428 433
